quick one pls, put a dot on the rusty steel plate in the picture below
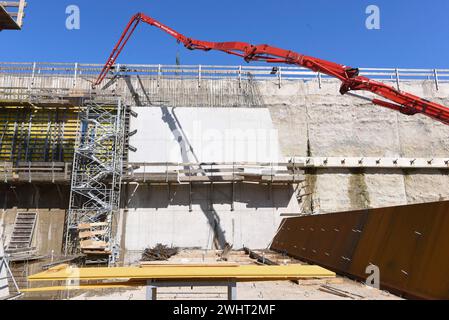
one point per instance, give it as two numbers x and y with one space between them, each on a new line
409 244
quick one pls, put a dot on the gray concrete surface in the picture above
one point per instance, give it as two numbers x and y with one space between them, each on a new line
203 135
50 202
320 122
152 216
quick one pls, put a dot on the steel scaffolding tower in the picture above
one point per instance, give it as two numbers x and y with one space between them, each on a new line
96 179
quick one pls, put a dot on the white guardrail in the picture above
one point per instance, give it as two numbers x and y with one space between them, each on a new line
75 70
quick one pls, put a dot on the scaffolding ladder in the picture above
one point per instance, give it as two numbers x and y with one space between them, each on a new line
22 234
96 181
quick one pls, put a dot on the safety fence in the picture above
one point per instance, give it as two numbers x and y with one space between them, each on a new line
78 71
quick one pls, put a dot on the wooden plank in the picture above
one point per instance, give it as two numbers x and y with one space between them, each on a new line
113 285
210 179
92 244
10 3
34 170
83 226
26 258
97 252
41 164
20 250
160 272
89 234
20 13
144 264
296 178
59 262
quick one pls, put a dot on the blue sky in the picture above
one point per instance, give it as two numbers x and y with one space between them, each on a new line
413 34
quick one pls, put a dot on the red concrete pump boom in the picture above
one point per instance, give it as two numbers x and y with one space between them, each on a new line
403 102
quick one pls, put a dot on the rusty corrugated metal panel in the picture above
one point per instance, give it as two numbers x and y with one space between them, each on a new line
410 245
321 238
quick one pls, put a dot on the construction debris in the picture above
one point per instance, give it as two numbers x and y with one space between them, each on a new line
75 258
340 292
159 253
260 258
224 256
91 244
23 254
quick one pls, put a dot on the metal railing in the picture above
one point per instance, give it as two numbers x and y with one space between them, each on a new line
208 172
279 73
291 170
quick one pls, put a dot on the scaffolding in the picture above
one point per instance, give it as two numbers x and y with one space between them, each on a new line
96 180
12 14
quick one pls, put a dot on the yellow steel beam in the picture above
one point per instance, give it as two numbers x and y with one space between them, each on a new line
187 265
241 273
117 285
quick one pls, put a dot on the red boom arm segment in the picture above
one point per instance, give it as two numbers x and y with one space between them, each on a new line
403 102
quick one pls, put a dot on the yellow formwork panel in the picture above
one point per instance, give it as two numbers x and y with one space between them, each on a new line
160 272
115 285
28 134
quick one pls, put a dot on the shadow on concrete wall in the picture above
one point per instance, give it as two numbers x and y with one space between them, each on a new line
253 196
219 238
32 196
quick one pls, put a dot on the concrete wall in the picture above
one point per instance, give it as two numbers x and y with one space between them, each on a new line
319 122
50 202
187 134
158 215
153 214
204 135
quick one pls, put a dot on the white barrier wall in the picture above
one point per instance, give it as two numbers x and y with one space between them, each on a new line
204 135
